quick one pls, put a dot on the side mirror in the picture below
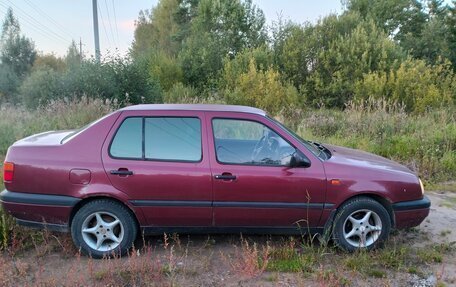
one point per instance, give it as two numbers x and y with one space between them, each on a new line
298 159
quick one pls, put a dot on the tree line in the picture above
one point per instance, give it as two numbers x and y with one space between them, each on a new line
400 51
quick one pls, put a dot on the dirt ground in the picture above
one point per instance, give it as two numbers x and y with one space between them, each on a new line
228 260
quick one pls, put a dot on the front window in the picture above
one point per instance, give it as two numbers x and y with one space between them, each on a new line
248 142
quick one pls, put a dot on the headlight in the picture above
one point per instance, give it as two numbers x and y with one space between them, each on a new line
421 185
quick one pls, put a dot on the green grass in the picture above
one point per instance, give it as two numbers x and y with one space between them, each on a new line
426 142
443 186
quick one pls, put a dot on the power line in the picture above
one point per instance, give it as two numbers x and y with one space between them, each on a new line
49 18
104 27
115 20
110 26
36 24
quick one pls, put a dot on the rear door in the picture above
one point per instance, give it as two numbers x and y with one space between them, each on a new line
159 159
253 185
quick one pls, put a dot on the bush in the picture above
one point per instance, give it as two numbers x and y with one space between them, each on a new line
179 93
424 142
261 89
42 86
115 78
417 85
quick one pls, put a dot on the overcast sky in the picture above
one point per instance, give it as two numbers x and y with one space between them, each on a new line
52 24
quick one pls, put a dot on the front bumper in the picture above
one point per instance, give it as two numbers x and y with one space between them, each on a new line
411 213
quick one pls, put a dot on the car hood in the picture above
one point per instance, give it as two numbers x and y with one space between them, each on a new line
362 159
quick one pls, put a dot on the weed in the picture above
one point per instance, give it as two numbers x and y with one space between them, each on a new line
331 277
289 259
376 273
429 256
249 260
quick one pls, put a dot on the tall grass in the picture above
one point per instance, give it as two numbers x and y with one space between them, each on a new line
16 122
424 142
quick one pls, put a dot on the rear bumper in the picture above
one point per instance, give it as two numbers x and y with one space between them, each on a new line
411 213
39 210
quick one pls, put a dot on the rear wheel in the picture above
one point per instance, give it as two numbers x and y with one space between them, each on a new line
103 228
361 223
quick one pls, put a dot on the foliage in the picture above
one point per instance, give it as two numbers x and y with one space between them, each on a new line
73 58
115 78
179 93
346 59
221 28
155 30
17 54
165 69
260 88
50 61
415 84
425 142
42 86
424 28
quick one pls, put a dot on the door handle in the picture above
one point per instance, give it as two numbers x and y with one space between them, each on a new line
225 177
121 172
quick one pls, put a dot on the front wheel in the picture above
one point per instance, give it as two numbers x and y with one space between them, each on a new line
361 223
103 228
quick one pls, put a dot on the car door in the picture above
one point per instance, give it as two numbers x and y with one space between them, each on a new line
159 159
253 184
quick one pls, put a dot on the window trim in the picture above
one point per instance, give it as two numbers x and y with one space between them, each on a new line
247 164
143 158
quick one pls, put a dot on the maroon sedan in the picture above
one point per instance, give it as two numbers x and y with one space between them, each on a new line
203 168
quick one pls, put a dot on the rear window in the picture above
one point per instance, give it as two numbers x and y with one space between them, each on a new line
127 142
158 138
173 139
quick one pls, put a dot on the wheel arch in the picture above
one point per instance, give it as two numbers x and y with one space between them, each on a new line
380 199
86 200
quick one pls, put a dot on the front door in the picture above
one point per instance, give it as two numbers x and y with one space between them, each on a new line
159 159
253 185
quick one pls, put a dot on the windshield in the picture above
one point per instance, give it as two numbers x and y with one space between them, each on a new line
314 148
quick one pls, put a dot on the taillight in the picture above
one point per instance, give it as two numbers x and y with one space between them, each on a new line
8 171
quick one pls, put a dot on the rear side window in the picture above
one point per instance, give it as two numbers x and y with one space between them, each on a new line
177 139
158 138
127 142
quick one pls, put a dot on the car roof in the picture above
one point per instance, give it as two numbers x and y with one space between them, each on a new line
195 107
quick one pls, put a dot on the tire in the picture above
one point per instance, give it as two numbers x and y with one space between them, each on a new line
361 223
103 228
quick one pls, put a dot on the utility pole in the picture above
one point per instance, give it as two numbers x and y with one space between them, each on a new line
95 30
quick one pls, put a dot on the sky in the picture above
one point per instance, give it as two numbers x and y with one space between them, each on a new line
53 24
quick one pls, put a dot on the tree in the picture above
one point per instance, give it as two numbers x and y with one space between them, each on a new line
156 30
397 18
49 60
221 28
261 88
451 23
417 85
423 28
17 51
16 56
73 58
